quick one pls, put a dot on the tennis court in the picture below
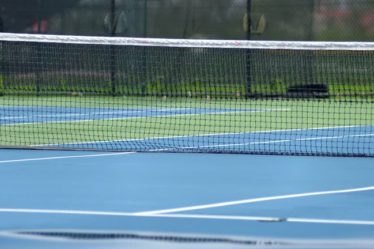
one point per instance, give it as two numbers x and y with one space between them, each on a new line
187 124
265 197
268 144
281 139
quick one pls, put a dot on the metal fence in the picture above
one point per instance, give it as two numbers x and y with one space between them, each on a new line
338 20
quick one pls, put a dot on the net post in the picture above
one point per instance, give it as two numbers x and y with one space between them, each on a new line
248 51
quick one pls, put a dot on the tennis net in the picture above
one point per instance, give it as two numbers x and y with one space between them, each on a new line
165 95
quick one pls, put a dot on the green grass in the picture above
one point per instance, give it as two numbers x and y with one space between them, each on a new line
349 89
295 114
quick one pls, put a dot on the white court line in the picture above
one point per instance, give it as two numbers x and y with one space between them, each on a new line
60 115
209 135
264 219
65 157
140 109
123 112
277 141
187 216
254 200
268 142
145 117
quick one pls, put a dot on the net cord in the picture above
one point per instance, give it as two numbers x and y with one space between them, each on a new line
187 43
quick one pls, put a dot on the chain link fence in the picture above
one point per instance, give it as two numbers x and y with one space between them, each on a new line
322 20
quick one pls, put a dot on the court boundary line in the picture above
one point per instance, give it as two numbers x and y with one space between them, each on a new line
264 219
120 111
275 141
254 200
65 157
187 216
144 117
209 135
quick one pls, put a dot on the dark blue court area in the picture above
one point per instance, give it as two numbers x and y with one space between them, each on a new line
269 197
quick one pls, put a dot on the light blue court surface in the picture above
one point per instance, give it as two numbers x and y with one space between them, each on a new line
310 198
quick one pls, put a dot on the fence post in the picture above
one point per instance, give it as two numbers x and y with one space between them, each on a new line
248 51
39 55
113 27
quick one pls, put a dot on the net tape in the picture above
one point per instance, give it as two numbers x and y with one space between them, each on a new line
188 43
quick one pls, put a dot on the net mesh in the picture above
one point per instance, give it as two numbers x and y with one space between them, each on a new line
125 94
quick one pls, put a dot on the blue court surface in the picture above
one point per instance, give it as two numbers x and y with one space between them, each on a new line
278 199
